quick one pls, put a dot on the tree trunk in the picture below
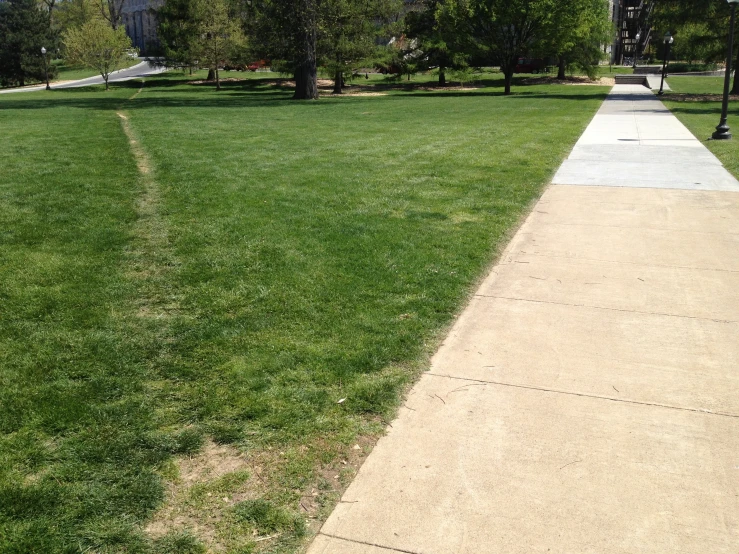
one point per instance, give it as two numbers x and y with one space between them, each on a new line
442 76
735 86
508 78
106 82
306 86
562 68
211 75
218 79
338 82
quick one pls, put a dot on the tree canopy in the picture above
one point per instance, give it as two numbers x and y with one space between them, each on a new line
24 30
97 45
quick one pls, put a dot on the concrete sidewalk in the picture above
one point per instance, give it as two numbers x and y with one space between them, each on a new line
587 400
138 71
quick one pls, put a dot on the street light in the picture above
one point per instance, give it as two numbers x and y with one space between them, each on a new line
636 47
669 39
722 129
46 68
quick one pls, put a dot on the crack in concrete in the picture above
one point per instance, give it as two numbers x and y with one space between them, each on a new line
606 308
637 228
389 548
640 264
583 395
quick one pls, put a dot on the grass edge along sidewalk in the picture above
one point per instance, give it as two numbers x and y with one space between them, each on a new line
177 342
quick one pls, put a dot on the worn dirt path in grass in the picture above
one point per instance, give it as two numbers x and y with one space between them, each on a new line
587 400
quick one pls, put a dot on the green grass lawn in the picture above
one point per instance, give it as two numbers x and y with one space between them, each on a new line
203 334
696 101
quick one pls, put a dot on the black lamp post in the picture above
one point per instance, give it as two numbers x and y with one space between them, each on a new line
636 47
722 129
46 68
669 39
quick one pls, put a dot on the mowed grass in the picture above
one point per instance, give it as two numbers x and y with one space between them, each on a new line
696 101
197 331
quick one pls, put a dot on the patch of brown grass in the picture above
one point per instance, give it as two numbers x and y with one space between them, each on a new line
684 97
200 491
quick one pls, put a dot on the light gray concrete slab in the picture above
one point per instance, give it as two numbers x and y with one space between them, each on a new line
642 246
655 81
609 153
689 293
474 468
655 174
668 210
610 352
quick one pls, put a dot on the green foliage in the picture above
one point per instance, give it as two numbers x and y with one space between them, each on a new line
24 29
508 29
219 36
178 32
200 32
441 30
99 46
699 42
700 28
575 33
348 34
70 14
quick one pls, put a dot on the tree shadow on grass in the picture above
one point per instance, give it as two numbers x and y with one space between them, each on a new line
168 92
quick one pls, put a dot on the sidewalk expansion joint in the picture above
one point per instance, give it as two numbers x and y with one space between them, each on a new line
661 314
640 228
640 264
388 548
583 395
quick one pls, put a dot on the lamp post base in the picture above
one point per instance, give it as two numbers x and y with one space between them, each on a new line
721 133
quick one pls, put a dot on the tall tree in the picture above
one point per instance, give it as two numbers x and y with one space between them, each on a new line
442 31
75 13
349 30
218 34
286 31
575 33
97 45
178 33
49 5
24 30
112 11
509 29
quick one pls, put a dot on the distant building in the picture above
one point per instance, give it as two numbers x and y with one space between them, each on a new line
631 18
140 21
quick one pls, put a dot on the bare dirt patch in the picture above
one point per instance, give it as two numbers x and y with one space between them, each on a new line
213 462
204 487
353 94
572 80
681 97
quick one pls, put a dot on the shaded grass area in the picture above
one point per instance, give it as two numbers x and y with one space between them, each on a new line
271 285
696 101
